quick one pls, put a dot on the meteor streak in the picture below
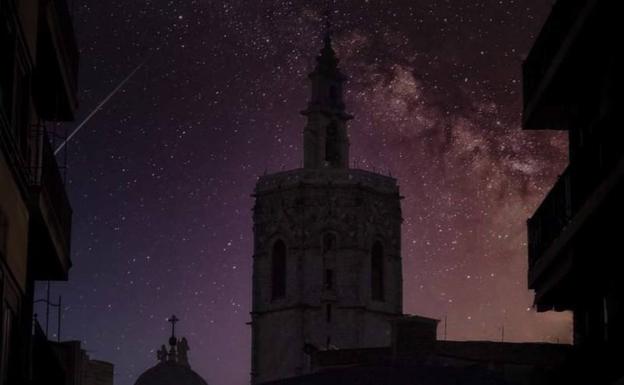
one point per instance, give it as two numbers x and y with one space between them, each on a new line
99 107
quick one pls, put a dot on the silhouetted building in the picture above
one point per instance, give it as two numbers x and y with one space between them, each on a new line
327 252
66 363
44 359
79 368
415 357
572 81
98 372
38 66
173 367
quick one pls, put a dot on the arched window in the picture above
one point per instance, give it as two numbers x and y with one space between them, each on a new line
377 272
278 270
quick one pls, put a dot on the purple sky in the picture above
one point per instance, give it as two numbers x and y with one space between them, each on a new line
160 179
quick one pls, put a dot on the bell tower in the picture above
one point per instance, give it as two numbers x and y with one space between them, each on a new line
327 245
325 139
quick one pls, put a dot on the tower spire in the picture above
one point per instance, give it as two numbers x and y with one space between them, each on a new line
326 144
327 21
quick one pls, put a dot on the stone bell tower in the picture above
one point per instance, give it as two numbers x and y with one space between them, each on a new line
327 258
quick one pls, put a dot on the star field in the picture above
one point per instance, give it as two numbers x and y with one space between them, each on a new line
160 179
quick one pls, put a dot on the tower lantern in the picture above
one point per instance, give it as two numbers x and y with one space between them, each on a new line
325 139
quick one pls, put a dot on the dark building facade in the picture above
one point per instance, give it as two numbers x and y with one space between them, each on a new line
416 357
78 368
65 363
572 82
38 75
327 238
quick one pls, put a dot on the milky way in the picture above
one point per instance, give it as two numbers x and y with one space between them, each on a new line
160 179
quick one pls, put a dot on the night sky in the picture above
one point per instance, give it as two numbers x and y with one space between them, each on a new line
160 179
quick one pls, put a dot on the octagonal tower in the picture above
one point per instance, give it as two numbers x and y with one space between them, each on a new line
327 245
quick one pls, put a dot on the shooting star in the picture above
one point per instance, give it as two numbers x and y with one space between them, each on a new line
99 107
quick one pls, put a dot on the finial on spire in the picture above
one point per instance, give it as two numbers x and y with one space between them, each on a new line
328 27
327 61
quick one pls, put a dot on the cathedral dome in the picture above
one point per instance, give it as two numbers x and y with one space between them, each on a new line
168 373
173 367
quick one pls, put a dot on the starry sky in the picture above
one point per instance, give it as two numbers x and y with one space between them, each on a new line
160 179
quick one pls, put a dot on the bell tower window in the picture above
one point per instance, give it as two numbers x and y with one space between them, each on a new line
377 272
278 270
331 144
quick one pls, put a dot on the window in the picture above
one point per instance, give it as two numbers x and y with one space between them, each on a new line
328 281
377 272
331 143
278 270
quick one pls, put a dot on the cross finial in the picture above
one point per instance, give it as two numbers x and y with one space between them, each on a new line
173 320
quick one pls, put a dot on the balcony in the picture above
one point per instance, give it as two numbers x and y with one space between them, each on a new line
51 220
56 69
550 67
588 189
550 218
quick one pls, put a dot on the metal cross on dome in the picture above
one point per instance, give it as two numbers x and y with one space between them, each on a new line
173 320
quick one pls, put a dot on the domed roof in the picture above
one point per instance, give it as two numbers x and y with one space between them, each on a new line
170 373
173 367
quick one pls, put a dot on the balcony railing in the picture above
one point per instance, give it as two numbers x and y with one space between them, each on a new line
550 218
52 218
52 182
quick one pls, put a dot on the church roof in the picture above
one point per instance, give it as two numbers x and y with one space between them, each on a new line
170 373
173 367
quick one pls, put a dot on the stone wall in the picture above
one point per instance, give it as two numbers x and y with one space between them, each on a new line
302 208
